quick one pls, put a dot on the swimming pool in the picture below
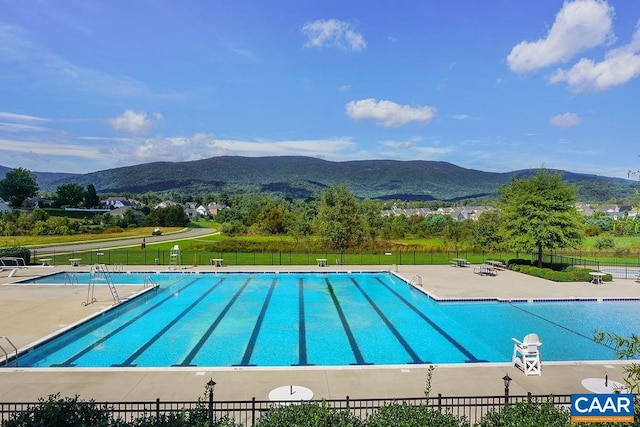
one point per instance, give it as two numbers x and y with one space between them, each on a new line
303 319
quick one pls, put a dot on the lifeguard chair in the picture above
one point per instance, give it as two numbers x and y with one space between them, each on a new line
526 354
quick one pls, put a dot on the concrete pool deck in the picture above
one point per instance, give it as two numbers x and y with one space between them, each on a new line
30 313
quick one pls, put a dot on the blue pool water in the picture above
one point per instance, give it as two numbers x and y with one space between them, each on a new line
293 319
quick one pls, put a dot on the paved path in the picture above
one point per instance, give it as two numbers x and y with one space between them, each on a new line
29 313
187 233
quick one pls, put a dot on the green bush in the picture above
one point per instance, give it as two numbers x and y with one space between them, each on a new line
309 415
526 414
63 412
17 251
404 415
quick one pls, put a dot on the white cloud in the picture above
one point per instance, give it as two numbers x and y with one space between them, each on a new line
333 33
133 122
461 116
618 67
20 117
566 120
579 25
388 113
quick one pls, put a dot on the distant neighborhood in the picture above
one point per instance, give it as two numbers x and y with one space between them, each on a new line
118 207
462 213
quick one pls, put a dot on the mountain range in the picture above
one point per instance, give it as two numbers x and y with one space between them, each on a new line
305 177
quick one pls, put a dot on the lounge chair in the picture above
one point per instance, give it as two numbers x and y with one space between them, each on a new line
12 264
526 354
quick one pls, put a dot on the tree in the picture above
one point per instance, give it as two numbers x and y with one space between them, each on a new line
17 185
71 195
91 199
485 231
539 213
338 222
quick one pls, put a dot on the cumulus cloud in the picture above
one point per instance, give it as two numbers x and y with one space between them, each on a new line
388 113
566 120
133 122
618 67
579 25
333 33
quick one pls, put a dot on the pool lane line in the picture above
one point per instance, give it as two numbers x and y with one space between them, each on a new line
407 347
302 327
203 339
562 327
471 358
345 325
246 358
159 334
69 362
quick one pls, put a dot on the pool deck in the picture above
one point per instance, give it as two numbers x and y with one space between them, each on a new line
30 313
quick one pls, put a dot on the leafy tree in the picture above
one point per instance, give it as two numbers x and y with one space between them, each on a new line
625 348
17 185
456 232
91 199
370 213
71 195
338 222
485 231
539 213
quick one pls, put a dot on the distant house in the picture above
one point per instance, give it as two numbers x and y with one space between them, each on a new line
215 208
165 204
192 213
4 206
119 212
118 202
36 202
202 211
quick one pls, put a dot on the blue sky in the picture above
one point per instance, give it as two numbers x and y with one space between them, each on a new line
495 85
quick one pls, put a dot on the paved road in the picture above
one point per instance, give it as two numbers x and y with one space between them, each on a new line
133 241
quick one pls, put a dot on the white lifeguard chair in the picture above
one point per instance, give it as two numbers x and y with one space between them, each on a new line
174 257
526 354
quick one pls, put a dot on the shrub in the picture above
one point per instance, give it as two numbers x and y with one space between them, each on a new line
527 414
405 415
63 412
606 242
308 415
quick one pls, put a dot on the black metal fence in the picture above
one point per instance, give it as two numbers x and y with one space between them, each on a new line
247 413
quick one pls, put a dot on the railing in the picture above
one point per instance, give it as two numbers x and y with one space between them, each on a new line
148 281
70 279
6 355
247 413
416 280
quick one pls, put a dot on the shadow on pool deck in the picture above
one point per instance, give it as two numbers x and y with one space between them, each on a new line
29 313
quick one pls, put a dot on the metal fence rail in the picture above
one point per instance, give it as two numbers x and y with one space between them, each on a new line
247 413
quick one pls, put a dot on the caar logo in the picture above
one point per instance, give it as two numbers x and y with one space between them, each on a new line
601 408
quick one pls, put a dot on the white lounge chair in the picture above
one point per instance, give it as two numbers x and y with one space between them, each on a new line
526 354
12 264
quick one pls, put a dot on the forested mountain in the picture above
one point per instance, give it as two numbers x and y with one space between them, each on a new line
301 177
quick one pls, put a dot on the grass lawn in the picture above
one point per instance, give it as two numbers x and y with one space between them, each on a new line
79 238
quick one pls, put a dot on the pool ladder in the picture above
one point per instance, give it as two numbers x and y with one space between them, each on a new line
14 361
416 280
100 273
148 281
70 279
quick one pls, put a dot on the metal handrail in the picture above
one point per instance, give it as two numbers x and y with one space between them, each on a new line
416 280
70 279
6 355
148 281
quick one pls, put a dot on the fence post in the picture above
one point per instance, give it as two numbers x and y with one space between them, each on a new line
157 408
439 401
253 410
347 402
